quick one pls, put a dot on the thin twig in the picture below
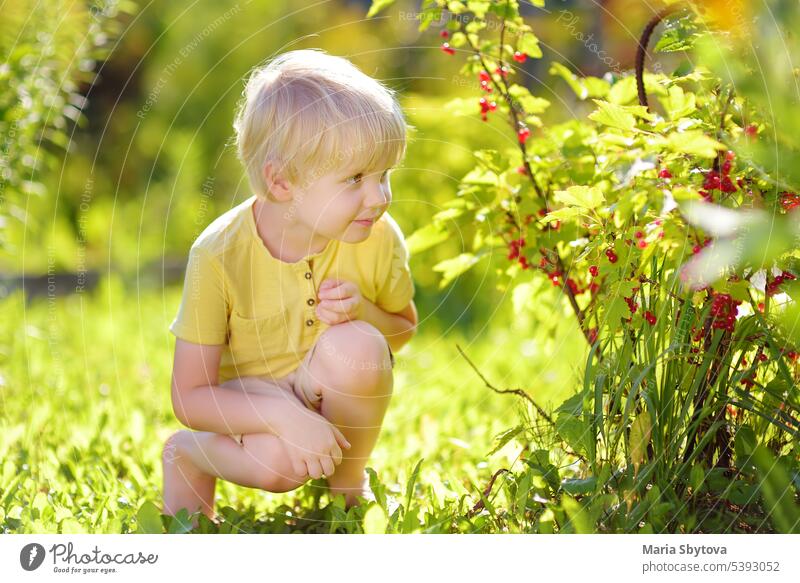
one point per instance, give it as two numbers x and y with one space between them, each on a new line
488 490
504 92
641 51
519 393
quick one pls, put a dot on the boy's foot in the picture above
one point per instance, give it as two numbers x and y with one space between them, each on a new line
351 499
184 486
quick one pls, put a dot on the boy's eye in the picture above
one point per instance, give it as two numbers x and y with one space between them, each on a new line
355 179
359 177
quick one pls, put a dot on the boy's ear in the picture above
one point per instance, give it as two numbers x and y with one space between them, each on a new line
277 183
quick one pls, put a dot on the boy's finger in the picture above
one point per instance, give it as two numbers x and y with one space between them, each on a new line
314 469
340 437
335 293
299 468
328 316
336 454
328 468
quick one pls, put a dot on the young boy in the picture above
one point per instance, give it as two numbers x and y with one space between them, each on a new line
294 299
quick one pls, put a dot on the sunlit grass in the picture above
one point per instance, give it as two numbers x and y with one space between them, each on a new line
85 409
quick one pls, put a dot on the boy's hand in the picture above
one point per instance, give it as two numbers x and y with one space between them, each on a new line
314 445
339 301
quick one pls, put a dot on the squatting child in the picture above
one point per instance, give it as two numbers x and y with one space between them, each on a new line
295 299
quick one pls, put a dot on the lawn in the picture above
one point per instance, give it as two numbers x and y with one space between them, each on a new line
85 410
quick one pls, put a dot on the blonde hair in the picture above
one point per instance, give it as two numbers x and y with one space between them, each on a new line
310 113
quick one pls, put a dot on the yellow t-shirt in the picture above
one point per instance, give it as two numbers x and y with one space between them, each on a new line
263 309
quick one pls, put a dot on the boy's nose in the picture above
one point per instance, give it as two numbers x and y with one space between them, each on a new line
379 197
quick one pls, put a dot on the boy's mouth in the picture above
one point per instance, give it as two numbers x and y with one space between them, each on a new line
365 222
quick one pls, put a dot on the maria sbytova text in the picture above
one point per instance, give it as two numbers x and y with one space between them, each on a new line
692 550
65 554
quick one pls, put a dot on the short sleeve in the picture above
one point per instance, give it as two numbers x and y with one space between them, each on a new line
203 313
396 286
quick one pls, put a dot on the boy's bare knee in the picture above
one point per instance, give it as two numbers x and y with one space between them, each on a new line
356 353
170 451
269 458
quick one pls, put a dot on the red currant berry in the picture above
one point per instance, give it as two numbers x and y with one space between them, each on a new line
665 174
789 200
523 134
444 34
593 270
520 57
448 49
712 181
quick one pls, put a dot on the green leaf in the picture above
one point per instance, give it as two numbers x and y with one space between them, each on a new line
574 431
639 438
697 476
411 481
529 44
583 196
584 87
694 143
180 523
149 519
579 519
479 176
575 486
478 7
528 102
678 103
777 491
612 115
452 268
459 39
505 437
428 236
377 6
569 212
573 405
678 36
375 520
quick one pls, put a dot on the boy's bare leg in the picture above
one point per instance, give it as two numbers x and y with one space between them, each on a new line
351 369
193 460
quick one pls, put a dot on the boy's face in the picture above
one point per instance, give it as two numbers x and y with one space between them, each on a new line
334 205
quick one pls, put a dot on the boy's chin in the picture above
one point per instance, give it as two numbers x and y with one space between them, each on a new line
355 233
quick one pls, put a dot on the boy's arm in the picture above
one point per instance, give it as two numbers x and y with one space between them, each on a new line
202 405
398 327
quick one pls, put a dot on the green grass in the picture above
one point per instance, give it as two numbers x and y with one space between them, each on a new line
85 409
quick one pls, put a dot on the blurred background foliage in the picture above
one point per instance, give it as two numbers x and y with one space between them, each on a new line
117 123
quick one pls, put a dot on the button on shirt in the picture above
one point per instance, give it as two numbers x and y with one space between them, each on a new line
262 309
